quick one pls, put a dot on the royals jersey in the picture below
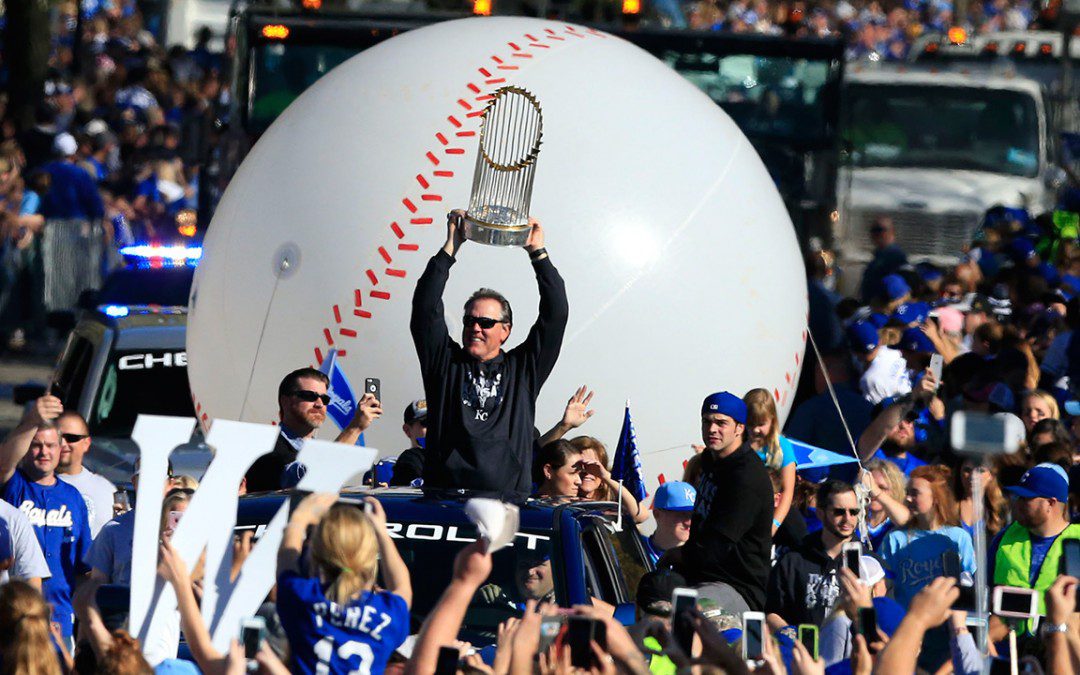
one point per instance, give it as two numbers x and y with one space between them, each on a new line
326 637
58 514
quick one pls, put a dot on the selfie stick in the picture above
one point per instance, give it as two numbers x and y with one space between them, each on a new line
981 609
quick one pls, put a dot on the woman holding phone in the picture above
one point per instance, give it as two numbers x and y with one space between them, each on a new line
334 617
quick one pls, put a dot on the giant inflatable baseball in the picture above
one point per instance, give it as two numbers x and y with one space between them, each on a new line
681 265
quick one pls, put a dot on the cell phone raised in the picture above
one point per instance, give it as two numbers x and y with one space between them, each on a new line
252 634
373 386
1018 603
753 636
447 663
937 364
867 624
852 552
1070 558
683 600
581 632
808 638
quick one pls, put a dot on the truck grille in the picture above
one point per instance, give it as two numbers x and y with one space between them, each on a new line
919 233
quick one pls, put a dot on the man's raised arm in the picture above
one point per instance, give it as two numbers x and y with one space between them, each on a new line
428 325
14 447
546 336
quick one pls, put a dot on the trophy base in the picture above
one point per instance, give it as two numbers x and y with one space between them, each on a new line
484 233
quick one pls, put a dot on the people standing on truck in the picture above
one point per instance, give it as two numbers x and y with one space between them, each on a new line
673 510
28 460
409 466
888 257
481 399
96 489
731 530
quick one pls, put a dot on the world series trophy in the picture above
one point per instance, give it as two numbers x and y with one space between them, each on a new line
510 135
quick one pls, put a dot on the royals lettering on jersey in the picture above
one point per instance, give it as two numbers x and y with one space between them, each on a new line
326 637
58 514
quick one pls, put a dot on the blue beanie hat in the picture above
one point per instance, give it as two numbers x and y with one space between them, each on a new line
724 403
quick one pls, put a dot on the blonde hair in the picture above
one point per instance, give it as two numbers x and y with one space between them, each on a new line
173 498
583 443
1047 398
346 551
25 646
185 482
894 477
759 407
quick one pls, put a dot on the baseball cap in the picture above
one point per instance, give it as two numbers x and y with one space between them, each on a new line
870 570
1043 480
1021 249
655 589
65 145
912 312
417 410
724 403
914 340
675 495
895 287
862 337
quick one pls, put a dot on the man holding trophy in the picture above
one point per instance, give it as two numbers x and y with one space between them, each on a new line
481 399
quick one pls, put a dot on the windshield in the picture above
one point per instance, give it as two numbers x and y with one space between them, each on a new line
281 73
769 97
519 572
140 381
943 128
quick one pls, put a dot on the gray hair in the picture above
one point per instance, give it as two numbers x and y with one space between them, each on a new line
489 294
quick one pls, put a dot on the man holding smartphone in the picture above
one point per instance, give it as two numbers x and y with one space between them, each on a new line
731 529
1027 554
481 400
803 586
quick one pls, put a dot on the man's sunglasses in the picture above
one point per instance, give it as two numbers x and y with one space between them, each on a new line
74 438
309 396
850 512
482 321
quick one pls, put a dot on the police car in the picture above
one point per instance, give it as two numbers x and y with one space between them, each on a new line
570 551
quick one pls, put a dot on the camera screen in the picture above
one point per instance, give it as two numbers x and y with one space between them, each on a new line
1015 602
752 636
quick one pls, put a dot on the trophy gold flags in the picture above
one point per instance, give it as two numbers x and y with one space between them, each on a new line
510 135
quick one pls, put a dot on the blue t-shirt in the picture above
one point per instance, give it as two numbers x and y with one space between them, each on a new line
359 637
877 534
58 514
913 558
787 453
906 464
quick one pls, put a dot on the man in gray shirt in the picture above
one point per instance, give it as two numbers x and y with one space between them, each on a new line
20 553
96 490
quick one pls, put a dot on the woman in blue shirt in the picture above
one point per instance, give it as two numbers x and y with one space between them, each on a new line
886 485
763 430
335 619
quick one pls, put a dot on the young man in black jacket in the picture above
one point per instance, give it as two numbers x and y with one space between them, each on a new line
731 531
803 586
482 400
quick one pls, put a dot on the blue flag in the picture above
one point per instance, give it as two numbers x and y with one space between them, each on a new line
627 463
342 406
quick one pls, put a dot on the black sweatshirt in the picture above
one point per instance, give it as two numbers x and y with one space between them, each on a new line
481 416
803 586
731 531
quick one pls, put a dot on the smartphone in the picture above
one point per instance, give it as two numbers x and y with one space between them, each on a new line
252 634
683 600
867 624
852 551
580 632
975 433
950 565
550 627
447 664
808 637
753 637
937 363
1019 603
174 520
1070 558
374 387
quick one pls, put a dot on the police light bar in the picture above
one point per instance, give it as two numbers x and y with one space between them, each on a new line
146 255
115 311
275 32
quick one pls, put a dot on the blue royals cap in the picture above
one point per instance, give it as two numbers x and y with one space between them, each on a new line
862 337
1022 249
914 340
675 495
912 312
895 287
724 403
1043 480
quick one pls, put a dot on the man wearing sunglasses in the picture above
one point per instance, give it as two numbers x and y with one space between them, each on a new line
302 402
481 399
96 490
803 586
